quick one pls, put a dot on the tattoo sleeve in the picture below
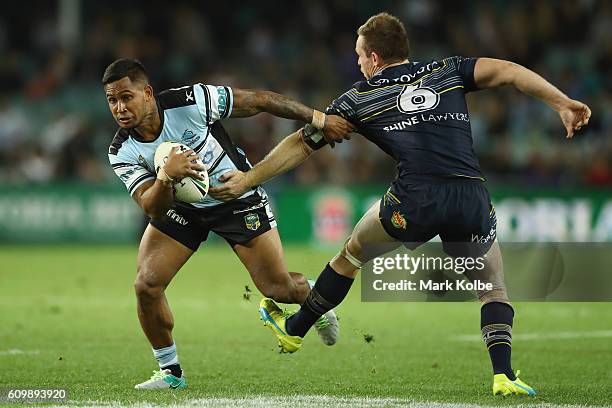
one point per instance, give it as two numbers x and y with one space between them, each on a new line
249 102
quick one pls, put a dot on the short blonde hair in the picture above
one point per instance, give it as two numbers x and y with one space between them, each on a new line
385 35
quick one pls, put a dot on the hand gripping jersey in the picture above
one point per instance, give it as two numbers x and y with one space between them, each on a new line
417 113
189 115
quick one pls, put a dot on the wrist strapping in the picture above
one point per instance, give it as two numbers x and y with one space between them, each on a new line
318 119
163 176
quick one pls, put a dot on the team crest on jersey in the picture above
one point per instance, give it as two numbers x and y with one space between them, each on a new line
252 221
398 220
143 162
187 136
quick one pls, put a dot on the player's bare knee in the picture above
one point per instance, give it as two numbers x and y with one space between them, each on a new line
146 290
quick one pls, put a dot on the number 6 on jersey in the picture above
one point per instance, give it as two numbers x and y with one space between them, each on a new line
415 99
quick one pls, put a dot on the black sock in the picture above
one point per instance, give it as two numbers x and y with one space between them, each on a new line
496 326
175 369
329 290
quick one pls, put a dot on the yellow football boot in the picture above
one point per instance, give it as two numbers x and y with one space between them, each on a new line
505 386
275 318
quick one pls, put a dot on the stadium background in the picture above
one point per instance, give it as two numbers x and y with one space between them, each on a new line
67 311
55 127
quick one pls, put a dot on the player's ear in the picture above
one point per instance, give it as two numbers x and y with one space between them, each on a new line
148 91
376 58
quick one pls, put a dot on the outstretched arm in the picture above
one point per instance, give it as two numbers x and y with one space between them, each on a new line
490 73
248 102
288 154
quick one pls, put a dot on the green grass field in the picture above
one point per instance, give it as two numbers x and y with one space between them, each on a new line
67 319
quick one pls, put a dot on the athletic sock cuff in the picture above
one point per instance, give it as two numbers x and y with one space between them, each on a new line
496 312
166 356
332 286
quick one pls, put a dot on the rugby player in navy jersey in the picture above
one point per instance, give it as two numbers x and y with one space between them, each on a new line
416 112
190 115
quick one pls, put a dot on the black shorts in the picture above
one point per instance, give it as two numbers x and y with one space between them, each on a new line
237 221
458 210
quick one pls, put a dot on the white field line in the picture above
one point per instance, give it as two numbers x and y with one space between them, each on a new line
18 352
313 401
545 336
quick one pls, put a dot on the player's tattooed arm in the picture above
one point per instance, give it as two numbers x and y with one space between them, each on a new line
288 154
248 102
490 73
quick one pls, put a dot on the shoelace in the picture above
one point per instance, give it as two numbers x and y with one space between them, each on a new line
286 313
322 323
158 375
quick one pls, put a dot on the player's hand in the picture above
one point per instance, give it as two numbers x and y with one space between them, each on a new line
180 165
234 185
336 129
574 115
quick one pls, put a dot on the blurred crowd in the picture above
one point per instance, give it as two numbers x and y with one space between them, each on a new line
55 124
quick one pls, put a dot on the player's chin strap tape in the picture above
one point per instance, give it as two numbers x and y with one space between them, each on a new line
313 137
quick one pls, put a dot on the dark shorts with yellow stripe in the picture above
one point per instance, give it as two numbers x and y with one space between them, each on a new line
459 210
237 221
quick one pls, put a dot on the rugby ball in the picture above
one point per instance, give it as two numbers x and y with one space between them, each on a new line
187 190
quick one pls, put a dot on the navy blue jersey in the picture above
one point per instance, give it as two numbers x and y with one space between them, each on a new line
416 112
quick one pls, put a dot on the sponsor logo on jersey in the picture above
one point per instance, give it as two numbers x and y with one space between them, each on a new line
252 221
125 176
406 78
482 239
398 220
189 96
222 99
252 208
176 217
427 117
208 156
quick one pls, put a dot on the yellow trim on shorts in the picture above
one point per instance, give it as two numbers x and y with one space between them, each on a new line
470 177
394 197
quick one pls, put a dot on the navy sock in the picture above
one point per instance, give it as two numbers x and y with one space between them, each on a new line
496 326
175 369
329 290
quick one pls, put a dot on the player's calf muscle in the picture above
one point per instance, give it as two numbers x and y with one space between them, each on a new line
293 289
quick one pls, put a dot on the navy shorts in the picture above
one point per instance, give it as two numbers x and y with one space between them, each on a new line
459 210
237 221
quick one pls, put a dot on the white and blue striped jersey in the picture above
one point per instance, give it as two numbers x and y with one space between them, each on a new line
189 115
